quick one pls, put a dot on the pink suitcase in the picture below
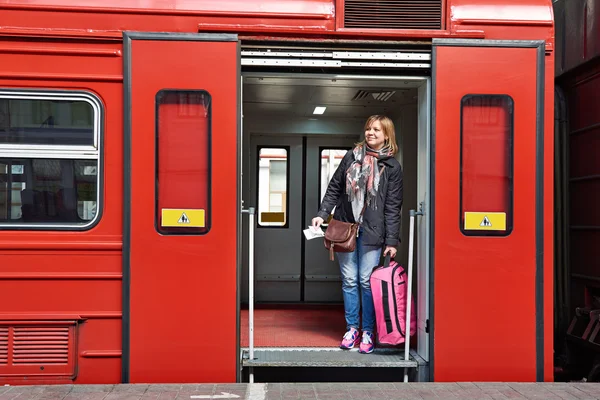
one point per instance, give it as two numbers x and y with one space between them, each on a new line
389 288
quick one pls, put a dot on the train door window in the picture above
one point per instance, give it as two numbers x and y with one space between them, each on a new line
330 160
273 178
183 162
49 159
486 175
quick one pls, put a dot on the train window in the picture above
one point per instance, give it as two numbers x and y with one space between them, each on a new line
486 176
273 180
49 160
48 191
47 120
183 162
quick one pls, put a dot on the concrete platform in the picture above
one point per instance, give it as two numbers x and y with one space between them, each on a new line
316 391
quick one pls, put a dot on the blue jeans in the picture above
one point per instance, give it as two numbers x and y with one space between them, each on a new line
357 267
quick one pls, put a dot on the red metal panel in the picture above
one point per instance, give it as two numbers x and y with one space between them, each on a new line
55 275
90 288
484 289
37 349
501 12
173 16
99 343
393 14
234 8
467 18
65 61
503 19
183 287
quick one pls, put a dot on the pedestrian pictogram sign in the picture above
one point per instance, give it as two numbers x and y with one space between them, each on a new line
182 217
488 221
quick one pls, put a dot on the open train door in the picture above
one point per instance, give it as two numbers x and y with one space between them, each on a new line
488 212
181 207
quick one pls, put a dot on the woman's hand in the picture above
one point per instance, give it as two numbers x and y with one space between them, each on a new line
391 250
316 222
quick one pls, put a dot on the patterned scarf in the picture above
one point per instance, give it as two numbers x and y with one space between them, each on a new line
362 178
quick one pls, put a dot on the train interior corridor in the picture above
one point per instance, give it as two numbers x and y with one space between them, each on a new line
296 129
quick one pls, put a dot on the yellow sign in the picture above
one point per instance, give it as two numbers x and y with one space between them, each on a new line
182 218
272 217
482 221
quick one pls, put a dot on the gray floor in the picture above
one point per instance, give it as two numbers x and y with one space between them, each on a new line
302 357
317 391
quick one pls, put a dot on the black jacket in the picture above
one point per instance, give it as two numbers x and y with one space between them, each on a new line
380 226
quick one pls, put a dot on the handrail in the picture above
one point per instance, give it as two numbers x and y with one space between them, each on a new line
250 211
413 214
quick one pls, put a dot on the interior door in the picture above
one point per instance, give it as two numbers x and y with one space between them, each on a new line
321 277
288 176
276 191
181 208
488 168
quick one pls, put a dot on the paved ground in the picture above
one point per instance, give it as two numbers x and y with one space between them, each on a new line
317 391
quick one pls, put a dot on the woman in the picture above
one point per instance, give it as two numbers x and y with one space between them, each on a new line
370 174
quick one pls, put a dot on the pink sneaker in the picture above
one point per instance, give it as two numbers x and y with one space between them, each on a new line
366 345
350 339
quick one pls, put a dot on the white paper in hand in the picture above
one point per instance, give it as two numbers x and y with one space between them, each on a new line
313 233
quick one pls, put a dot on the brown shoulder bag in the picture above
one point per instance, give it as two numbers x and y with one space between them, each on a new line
340 236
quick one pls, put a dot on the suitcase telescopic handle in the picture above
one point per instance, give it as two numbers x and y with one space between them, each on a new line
388 259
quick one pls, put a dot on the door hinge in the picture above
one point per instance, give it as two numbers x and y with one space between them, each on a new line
427 326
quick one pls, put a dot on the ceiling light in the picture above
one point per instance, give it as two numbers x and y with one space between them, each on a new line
319 110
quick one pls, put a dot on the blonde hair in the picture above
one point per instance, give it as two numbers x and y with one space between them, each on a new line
388 130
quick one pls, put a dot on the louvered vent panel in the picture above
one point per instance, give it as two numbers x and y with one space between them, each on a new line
393 14
373 94
3 346
41 345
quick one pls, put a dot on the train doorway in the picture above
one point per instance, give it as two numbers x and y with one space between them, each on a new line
289 154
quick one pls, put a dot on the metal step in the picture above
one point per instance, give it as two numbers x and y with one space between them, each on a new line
328 357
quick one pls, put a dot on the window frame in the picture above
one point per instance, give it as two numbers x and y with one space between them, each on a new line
208 211
511 170
74 152
286 225
58 95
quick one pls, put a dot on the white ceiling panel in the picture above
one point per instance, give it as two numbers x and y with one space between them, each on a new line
276 93
297 97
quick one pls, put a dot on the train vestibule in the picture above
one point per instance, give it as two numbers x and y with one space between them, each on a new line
296 129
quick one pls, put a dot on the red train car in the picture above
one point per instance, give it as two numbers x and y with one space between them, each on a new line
134 134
